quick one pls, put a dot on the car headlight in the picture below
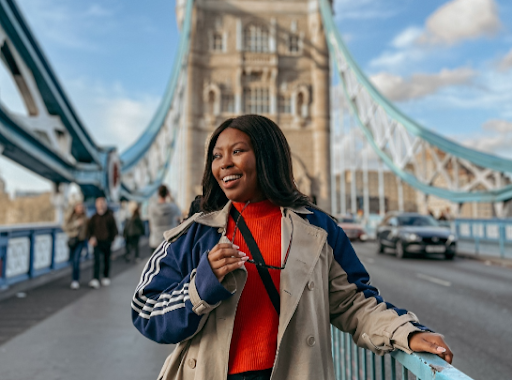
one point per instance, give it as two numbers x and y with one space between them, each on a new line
452 237
412 237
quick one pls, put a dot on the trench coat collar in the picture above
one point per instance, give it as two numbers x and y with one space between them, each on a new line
218 219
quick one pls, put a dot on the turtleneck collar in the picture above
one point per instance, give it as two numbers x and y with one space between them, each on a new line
258 209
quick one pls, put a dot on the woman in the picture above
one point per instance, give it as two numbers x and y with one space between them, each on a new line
133 230
75 227
236 319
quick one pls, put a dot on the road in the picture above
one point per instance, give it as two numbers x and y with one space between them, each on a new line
466 300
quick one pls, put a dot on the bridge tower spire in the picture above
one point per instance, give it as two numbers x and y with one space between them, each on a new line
267 57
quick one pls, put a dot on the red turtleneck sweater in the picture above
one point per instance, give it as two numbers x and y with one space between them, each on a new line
254 341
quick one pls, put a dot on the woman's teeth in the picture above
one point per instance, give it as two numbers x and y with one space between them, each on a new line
231 178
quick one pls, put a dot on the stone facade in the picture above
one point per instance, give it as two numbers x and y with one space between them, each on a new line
264 57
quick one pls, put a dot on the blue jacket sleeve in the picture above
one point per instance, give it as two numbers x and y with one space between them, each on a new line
177 290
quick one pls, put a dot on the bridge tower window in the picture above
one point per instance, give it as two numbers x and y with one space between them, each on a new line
293 43
228 103
285 104
256 100
256 38
217 42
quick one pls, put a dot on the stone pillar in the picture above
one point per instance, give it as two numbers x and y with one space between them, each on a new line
320 109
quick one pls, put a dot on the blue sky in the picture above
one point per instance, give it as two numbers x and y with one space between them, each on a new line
447 64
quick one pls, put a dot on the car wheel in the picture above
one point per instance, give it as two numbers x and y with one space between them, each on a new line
449 255
380 247
400 251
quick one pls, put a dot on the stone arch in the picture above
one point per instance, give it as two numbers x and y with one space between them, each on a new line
211 99
300 102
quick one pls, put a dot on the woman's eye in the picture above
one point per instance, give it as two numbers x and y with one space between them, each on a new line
215 156
236 151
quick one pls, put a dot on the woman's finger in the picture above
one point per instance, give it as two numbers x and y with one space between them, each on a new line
224 262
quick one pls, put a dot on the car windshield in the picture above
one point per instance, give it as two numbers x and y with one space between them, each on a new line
416 220
347 220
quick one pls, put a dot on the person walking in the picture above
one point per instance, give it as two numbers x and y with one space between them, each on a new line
249 288
102 230
162 217
133 230
75 226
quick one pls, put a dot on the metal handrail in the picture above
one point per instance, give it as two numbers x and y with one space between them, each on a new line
355 363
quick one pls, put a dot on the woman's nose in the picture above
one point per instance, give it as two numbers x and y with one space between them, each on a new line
226 163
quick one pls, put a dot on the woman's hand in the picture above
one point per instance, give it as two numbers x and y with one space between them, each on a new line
225 258
432 343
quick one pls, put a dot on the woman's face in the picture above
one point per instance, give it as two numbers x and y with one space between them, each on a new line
234 166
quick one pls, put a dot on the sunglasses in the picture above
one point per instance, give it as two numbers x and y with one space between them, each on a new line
263 264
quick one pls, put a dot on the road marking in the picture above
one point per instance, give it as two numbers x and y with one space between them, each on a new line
433 279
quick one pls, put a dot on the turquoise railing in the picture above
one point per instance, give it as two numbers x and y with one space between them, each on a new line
355 363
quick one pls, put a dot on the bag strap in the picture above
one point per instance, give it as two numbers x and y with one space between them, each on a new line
270 287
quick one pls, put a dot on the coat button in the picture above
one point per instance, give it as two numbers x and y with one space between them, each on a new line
192 363
311 341
311 285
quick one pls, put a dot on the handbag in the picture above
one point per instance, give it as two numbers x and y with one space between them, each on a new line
72 242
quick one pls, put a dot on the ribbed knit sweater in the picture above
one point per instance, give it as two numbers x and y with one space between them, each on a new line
254 340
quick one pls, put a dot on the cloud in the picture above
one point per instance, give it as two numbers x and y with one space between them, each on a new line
407 37
111 114
396 88
460 20
499 126
495 138
505 63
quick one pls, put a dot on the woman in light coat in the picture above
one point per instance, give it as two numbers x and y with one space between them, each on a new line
75 226
249 289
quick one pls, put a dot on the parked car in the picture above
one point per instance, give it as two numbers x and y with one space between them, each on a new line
353 230
415 234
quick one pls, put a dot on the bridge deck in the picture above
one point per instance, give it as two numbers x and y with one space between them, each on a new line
90 338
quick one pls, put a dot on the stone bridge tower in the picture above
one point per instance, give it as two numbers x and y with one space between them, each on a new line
260 56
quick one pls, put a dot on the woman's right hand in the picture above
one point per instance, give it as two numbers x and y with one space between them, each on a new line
224 258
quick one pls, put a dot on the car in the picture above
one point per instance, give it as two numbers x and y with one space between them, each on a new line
415 234
353 230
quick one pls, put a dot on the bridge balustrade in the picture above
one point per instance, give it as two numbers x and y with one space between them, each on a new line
355 363
490 231
28 251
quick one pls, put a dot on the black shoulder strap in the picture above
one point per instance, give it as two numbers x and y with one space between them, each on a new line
272 292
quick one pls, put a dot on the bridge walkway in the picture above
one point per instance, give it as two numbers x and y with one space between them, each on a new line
81 335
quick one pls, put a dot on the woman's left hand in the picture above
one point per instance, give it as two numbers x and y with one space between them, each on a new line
432 343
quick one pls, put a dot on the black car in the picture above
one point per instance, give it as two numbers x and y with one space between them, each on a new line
413 233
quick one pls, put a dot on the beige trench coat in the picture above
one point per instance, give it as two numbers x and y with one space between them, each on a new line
315 293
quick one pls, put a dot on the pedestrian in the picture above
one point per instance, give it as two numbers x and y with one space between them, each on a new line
133 230
102 230
162 216
75 226
249 288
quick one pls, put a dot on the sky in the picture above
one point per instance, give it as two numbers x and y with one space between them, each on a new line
446 64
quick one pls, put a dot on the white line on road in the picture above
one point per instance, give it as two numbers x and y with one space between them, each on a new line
433 279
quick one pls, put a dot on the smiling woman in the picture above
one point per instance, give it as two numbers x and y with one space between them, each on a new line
250 287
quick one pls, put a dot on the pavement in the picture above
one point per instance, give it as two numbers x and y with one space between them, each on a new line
468 301
91 337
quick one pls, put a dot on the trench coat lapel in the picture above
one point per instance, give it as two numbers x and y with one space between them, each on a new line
307 244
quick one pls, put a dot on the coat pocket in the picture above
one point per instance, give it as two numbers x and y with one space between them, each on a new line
174 362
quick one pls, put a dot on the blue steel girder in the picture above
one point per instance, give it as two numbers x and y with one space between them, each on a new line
401 143
20 37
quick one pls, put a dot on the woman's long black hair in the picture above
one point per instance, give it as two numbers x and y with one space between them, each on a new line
273 164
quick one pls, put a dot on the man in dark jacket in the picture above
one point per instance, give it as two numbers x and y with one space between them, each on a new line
102 231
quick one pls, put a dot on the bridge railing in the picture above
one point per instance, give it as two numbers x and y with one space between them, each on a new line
28 251
485 233
355 363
